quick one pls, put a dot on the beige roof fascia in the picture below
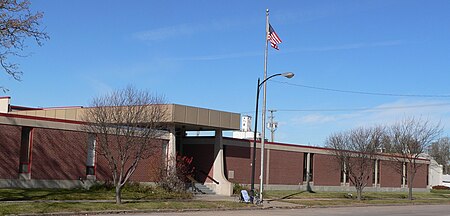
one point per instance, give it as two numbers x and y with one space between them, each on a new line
191 118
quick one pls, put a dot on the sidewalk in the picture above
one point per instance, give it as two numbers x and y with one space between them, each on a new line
269 203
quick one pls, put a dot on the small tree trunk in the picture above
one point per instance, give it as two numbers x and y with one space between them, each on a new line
410 188
118 194
359 193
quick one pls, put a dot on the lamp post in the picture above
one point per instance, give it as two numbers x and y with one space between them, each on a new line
258 88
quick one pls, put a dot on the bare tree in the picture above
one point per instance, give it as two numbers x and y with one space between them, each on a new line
409 139
355 151
127 122
17 24
440 151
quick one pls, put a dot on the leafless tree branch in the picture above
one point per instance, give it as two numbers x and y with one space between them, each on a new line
17 24
355 151
126 123
409 139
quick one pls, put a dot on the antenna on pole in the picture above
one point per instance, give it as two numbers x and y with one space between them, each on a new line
272 125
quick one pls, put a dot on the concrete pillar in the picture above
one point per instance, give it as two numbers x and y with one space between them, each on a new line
376 173
308 167
171 150
345 175
267 165
91 156
224 187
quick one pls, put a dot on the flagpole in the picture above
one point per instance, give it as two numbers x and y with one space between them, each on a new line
263 123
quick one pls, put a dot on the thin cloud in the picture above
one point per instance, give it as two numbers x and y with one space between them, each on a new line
185 29
98 86
318 126
351 46
166 32
312 49
381 114
322 119
218 57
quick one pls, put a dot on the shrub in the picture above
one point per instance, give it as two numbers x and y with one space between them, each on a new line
102 186
440 187
176 181
238 187
170 182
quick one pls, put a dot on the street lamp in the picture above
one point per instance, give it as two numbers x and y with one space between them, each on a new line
258 88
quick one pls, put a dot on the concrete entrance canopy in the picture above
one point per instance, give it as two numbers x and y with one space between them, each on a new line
179 116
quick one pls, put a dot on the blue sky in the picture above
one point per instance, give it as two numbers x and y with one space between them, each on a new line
210 54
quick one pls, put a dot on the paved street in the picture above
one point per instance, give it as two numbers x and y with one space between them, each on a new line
418 210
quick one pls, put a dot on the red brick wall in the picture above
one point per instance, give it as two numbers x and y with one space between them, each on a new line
203 159
238 159
285 167
9 151
367 171
420 179
147 170
326 170
389 177
58 154
102 170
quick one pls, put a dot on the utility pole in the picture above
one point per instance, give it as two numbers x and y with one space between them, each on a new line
272 125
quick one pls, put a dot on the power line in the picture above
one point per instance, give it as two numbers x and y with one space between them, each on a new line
363 92
362 108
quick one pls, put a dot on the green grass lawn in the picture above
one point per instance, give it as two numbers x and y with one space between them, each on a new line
143 198
42 207
153 198
369 198
96 193
275 194
353 202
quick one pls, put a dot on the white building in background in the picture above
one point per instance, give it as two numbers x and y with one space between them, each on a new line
434 173
246 129
446 180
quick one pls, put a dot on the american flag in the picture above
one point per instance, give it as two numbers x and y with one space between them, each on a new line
273 38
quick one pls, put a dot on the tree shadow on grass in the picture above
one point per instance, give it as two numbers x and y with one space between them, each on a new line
41 194
290 195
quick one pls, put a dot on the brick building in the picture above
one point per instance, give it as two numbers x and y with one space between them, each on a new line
45 147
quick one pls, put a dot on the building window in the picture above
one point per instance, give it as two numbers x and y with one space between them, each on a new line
25 150
311 171
90 170
23 168
305 159
378 171
406 174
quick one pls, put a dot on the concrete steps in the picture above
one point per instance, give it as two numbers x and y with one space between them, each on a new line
201 189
